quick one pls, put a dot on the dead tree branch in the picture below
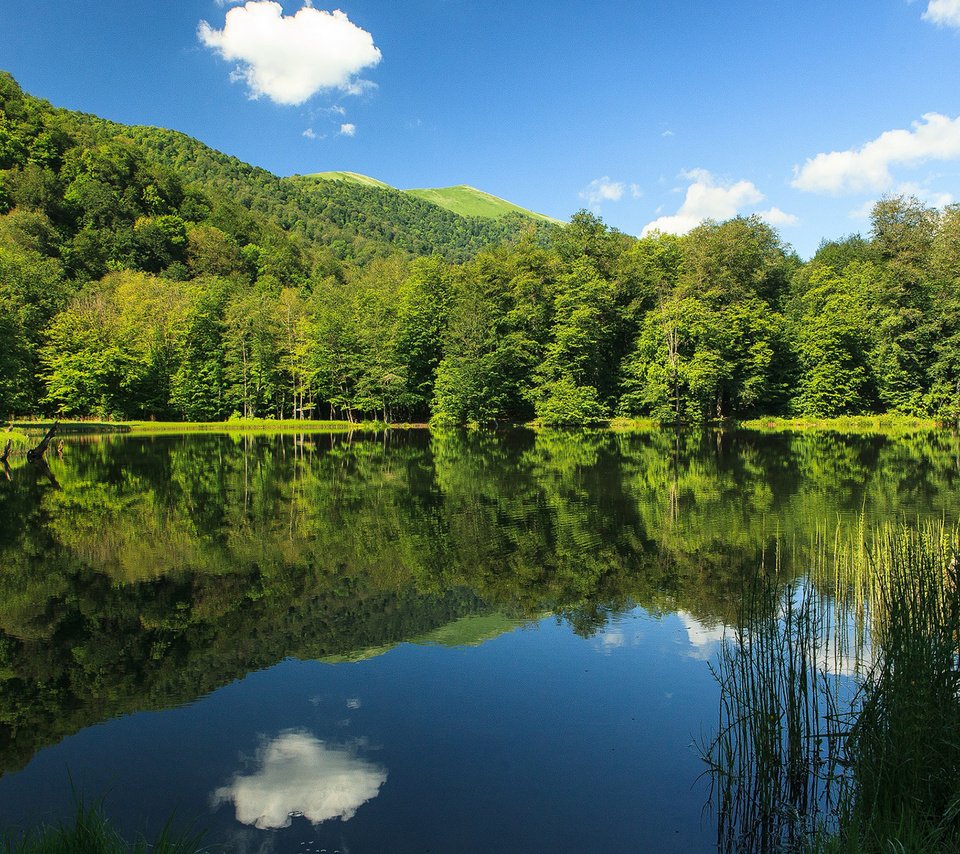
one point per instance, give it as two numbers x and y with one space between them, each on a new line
34 455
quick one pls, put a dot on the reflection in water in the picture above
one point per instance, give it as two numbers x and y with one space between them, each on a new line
704 638
167 567
299 775
140 580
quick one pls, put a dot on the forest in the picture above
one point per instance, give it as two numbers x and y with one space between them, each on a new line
146 276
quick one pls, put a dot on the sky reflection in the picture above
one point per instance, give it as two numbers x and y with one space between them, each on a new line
299 775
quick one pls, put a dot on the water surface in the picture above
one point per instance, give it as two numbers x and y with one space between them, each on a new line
411 642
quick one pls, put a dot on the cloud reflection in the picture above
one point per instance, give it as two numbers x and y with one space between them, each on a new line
704 638
298 774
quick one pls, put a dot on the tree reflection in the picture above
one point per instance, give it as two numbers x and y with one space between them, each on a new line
164 567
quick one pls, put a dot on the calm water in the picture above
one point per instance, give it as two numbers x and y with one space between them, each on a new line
412 643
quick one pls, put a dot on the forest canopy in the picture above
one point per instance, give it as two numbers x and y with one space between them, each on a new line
144 275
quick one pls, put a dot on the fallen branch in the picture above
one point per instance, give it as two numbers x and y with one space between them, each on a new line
34 455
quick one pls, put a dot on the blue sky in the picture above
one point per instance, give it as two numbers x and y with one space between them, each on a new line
651 113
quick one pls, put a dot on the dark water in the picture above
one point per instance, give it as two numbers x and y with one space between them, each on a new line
412 643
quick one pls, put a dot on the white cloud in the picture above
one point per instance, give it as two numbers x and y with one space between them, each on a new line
667 134
704 639
777 217
309 133
867 169
934 198
348 129
706 198
291 58
943 13
300 775
602 190
613 639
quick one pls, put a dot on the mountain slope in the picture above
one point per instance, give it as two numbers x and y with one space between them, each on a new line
126 196
462 200
468 201
351 178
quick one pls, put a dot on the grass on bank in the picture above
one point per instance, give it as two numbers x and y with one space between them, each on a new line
239 425
91 833
851 424
890 425
808 758
15 436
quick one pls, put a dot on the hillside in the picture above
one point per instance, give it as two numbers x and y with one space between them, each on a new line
462 200
390 217
351 178
356 217
468 201
346 216
44 151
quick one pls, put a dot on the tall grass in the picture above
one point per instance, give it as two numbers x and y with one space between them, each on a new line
775 759
839 718
904 743
91 833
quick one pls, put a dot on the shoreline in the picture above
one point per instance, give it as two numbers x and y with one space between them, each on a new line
851 424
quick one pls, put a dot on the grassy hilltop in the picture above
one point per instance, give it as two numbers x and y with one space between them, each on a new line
461 200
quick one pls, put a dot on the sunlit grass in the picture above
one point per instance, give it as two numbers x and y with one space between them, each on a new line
17 438
855 424
238 425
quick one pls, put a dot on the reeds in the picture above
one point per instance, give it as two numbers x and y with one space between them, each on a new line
775 759
839 717
91 833
904 745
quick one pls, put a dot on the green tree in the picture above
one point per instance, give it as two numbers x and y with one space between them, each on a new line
833 340
424 300
31 291
198 388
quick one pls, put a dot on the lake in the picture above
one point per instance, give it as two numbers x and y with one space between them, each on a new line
404 642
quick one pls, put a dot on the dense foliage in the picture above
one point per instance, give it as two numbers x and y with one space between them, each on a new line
144 275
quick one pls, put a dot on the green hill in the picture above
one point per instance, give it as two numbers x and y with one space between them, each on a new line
461 200
96 180
468 630
468 201
351 178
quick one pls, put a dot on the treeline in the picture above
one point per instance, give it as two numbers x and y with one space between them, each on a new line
144 275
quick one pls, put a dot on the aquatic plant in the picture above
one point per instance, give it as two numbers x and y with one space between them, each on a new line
92 833
839 724
775 760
